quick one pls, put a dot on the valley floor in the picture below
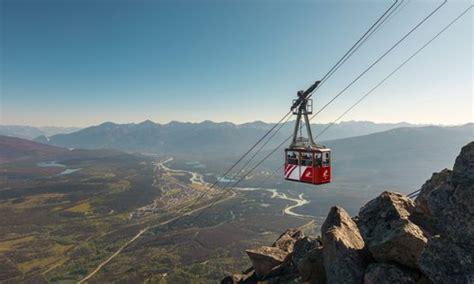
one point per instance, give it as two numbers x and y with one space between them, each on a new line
120 220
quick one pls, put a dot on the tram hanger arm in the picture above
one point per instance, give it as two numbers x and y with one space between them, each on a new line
311 88
302 95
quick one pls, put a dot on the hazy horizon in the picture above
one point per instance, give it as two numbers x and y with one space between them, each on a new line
239 61
235 123
155 141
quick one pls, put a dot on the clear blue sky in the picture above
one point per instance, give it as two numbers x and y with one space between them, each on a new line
79 63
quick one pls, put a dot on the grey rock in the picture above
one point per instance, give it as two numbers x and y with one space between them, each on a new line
311 267
389 234
447 203
443 261
343 248
385 273
265 259
302 247
287 240
436 180
463 170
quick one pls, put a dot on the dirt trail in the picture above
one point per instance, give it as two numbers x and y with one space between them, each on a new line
141 232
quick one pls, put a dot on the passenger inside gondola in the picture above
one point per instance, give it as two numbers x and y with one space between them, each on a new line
326 161
307 160
318 159
292 158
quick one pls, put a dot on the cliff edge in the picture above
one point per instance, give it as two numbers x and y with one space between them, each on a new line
394 239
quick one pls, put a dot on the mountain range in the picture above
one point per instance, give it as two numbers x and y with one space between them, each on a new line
196 138
30 132
16 150
361 150
403 153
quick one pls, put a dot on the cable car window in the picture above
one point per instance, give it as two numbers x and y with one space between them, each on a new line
306 159
292 158
326 159
317 158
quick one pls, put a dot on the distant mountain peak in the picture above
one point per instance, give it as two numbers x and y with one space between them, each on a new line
147 122
108 123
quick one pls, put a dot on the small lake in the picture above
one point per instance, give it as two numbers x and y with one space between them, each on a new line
50 164
196 164
69 171
225 179
55 164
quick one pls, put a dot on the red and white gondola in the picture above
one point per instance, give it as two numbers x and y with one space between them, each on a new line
306 161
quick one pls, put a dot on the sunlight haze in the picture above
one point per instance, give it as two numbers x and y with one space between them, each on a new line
81 63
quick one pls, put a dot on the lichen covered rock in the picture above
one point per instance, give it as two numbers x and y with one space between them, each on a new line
311 267
343 248
287 240
264 259
388 232
448 206
385 273
446 262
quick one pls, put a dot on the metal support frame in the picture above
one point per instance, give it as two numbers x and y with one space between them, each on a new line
302 107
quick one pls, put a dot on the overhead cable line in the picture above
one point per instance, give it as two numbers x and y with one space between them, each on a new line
242 168
205 192
390 16
380 58
354 47
368 34
383 81
347 87
350 84
375 26
325 77
414 194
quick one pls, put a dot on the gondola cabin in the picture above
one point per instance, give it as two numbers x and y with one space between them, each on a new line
306 161
308 165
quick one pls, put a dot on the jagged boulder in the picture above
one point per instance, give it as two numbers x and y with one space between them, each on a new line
385 273
245 278
301 248
277 263
311 267
446 201
287 240
443 261
436 180
289 268
343 248
389 234
265 259
463 170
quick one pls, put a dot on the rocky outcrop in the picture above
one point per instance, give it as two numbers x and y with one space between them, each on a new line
302 247
437 179
287 240
278 263
463 170
443 261
343 248
311 267
247 277
264 259
446 203
392 240
385 273
389 234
